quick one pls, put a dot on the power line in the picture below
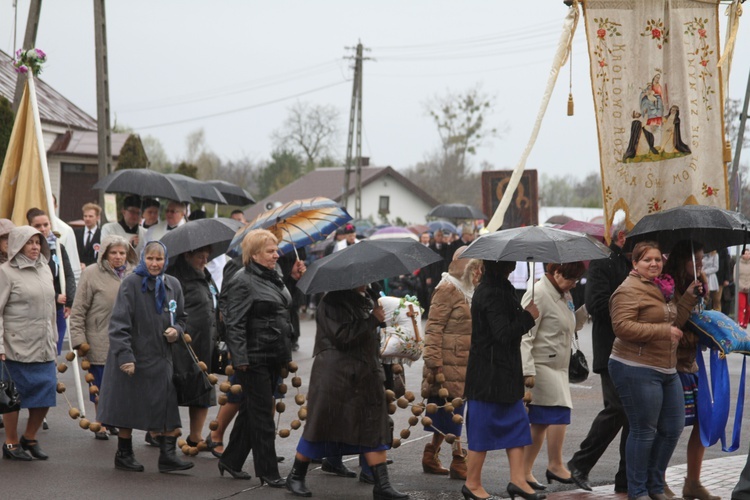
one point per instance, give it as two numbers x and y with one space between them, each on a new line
238 110
234 89
484 38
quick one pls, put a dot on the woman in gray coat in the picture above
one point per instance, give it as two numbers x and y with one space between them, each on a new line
92 307
137 391
28 334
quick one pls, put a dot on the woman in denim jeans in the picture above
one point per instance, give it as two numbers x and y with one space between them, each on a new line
645 315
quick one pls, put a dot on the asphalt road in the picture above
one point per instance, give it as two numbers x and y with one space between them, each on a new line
82 467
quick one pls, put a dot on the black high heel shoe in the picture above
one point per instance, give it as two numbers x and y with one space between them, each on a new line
514 491
237 474
536 486
554 477
15 452
279 482
468 495
32 446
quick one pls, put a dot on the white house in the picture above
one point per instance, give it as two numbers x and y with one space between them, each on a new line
386 194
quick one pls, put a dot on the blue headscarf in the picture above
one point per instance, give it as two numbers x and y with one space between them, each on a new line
160 291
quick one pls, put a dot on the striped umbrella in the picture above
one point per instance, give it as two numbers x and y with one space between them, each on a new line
297 223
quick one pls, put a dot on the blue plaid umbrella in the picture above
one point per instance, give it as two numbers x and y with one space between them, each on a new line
297 223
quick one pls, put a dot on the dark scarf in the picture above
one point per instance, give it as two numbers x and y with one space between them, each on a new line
160 291
268 274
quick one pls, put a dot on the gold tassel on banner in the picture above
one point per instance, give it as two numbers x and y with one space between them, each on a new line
727 152
570 90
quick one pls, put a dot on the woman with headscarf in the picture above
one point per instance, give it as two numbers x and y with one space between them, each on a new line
92 307
347 410
199 291
446 351
137 391
28 335
496 418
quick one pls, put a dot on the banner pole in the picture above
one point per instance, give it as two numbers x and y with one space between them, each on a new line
50 210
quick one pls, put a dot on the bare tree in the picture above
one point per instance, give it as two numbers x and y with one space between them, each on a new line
460 120
732 113
157 156
309 130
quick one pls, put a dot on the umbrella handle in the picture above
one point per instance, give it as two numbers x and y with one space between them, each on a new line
533 267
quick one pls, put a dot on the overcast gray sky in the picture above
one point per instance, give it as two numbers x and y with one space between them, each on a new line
172 62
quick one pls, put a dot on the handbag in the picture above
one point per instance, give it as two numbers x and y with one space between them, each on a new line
578 369
219 358
10 400
189 380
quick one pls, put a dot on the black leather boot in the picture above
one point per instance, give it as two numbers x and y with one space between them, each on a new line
168 460
295 481
124 458
383 489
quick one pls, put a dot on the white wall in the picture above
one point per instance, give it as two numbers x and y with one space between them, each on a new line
403 203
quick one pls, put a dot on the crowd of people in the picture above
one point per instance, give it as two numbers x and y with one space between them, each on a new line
505 353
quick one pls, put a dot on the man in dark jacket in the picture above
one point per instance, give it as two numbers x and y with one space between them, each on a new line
604 276
89 237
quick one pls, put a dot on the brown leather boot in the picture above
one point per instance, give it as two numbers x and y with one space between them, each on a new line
458 465
431 462
694 490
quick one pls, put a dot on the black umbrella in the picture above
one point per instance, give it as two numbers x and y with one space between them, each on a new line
536 243
199 233
143 182
363 263
456 211
234 194
714 227
199 190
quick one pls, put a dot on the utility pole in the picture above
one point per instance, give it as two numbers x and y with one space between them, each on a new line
355 134
29 42
104 130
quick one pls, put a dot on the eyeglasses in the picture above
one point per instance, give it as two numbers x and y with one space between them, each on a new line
134 211
170 211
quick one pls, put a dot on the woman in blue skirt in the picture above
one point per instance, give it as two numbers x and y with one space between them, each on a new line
347 412
496 418
28 336
546 357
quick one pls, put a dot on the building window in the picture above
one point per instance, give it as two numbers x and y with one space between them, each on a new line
384 205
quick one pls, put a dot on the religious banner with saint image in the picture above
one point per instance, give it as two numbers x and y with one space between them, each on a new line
658 103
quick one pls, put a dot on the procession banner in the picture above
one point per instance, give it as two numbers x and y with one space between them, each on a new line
22 183
658 103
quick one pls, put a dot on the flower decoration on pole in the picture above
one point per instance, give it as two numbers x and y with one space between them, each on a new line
29 60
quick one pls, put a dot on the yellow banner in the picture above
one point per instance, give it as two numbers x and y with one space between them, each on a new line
22 180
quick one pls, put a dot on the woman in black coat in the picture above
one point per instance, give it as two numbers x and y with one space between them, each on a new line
255 304
347 412
496 418
199 291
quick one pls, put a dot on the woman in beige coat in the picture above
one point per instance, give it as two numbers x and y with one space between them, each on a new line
92 307
546 355
446 352
28 337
